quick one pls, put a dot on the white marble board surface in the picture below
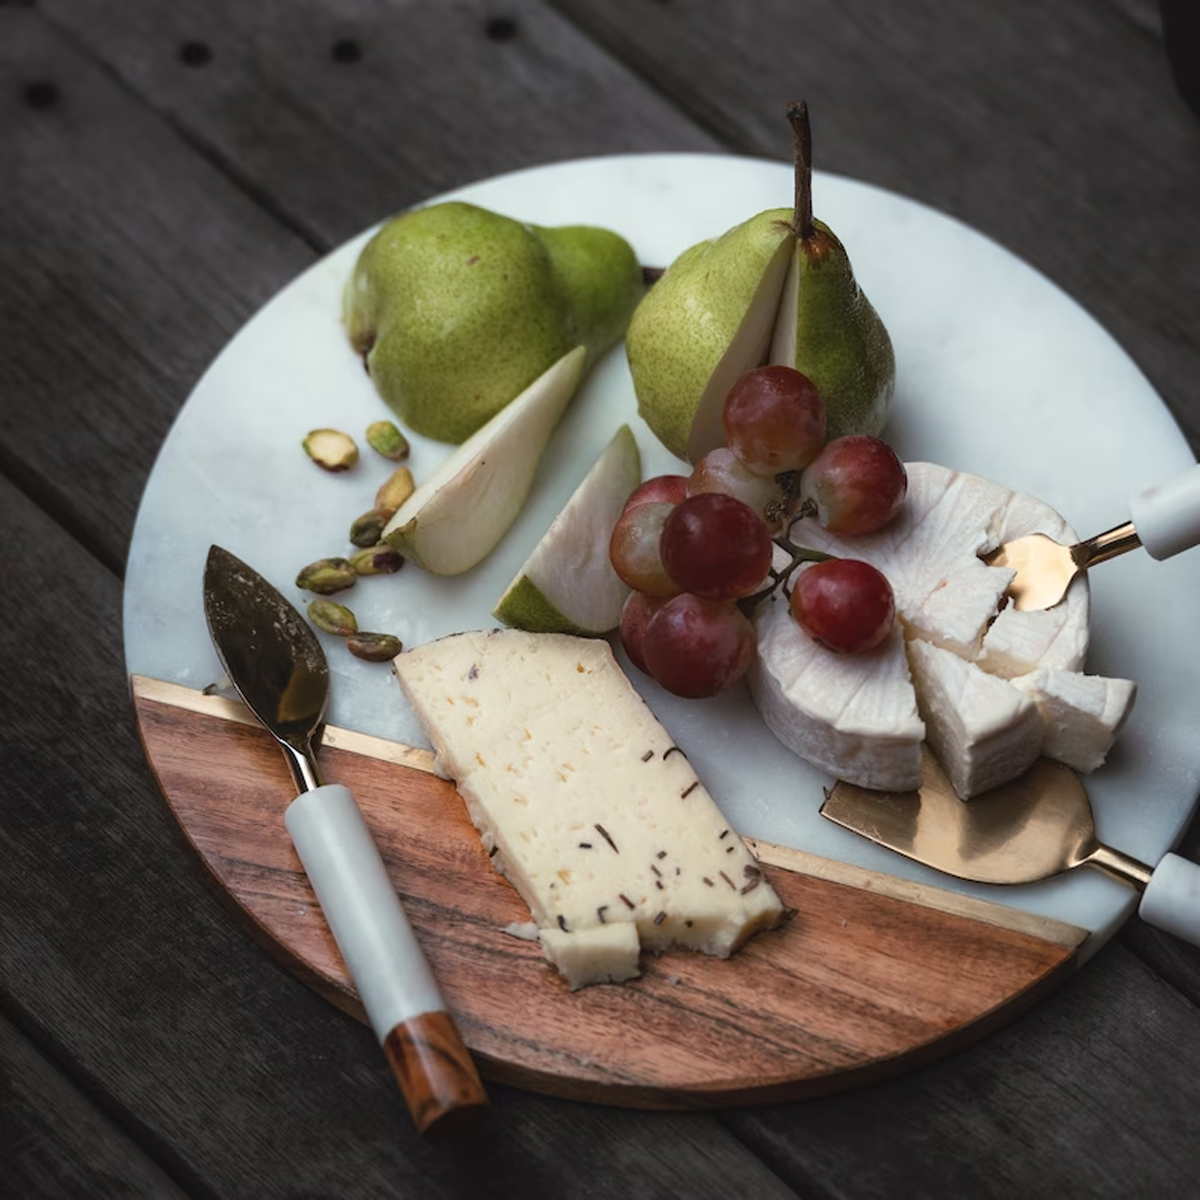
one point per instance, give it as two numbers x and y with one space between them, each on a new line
998 372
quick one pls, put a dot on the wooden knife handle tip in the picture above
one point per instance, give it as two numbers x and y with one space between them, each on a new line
436 1074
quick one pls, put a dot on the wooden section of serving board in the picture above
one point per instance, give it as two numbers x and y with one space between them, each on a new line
872 974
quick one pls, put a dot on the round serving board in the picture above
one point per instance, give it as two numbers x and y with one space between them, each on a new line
870 975
998 373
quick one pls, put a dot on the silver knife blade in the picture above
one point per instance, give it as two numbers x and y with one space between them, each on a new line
267 649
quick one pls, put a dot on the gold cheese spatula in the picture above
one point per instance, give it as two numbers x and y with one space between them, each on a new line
1166 519
1038 826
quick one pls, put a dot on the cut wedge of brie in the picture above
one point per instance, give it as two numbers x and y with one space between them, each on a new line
946 679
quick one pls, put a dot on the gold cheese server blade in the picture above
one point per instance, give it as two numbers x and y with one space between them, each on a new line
1045 568
1033 828
1165 520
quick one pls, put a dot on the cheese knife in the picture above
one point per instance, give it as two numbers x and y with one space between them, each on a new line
1165 520
1037 826
278 668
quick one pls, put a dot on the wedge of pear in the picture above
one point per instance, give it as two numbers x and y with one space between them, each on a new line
457 309
778 287
567 585
459 514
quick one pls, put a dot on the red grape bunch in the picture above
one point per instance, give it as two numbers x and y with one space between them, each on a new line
692 547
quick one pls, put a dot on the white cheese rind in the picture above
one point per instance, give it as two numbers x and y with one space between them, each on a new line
1081 714
857 717
582 798
982 730
854 716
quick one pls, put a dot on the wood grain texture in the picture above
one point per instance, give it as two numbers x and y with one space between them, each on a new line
431 96
860 984
236 1079
126 264
55 1141
436 1075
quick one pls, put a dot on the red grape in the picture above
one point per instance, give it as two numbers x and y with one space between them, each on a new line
634 550
844 604
722 471
635 615
661 489
855 485
774 420
715 546
696 647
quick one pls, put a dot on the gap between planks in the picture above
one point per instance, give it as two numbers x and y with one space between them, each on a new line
800 862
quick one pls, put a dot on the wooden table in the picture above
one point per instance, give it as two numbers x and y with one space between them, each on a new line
165 168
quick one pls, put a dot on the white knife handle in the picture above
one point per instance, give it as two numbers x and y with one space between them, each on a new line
1167 516
385 961
1172 898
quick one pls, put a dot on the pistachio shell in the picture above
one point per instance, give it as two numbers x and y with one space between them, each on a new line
331 449
384 438
374 647
380 559
331 617
398 487
326 576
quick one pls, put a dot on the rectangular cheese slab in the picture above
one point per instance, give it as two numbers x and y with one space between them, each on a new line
583 800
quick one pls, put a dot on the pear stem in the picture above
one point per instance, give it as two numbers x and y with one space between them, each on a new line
802 219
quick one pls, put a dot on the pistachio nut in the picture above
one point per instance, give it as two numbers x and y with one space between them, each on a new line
326 576
384 438
331 617
374 647
380 559
368 529
331 449
397 488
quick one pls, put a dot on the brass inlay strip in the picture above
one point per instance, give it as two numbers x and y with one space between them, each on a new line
1058 933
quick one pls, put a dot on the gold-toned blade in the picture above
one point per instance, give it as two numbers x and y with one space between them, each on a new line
1044 570
268 650
1035 827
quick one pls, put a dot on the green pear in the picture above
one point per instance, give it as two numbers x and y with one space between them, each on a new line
709 319
568 585
457 309
778 287
459 514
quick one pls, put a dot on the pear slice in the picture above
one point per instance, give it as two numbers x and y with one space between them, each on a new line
709 319
567 584
460 513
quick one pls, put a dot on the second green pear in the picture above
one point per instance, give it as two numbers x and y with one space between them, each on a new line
457 309
758 293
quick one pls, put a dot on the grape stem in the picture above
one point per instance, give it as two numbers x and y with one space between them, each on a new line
782 579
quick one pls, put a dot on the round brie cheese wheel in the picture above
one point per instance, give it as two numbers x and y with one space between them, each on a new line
953 672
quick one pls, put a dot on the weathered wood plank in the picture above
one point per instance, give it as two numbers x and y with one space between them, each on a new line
1092 1093
1051 125
114 948
126 263
55 1142
343 113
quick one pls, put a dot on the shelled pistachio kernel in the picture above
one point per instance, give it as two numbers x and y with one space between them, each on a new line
331 449
331 617
326 576
380 559
395 490
368 529
374 647
384 438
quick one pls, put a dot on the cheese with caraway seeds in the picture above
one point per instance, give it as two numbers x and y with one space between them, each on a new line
584 802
